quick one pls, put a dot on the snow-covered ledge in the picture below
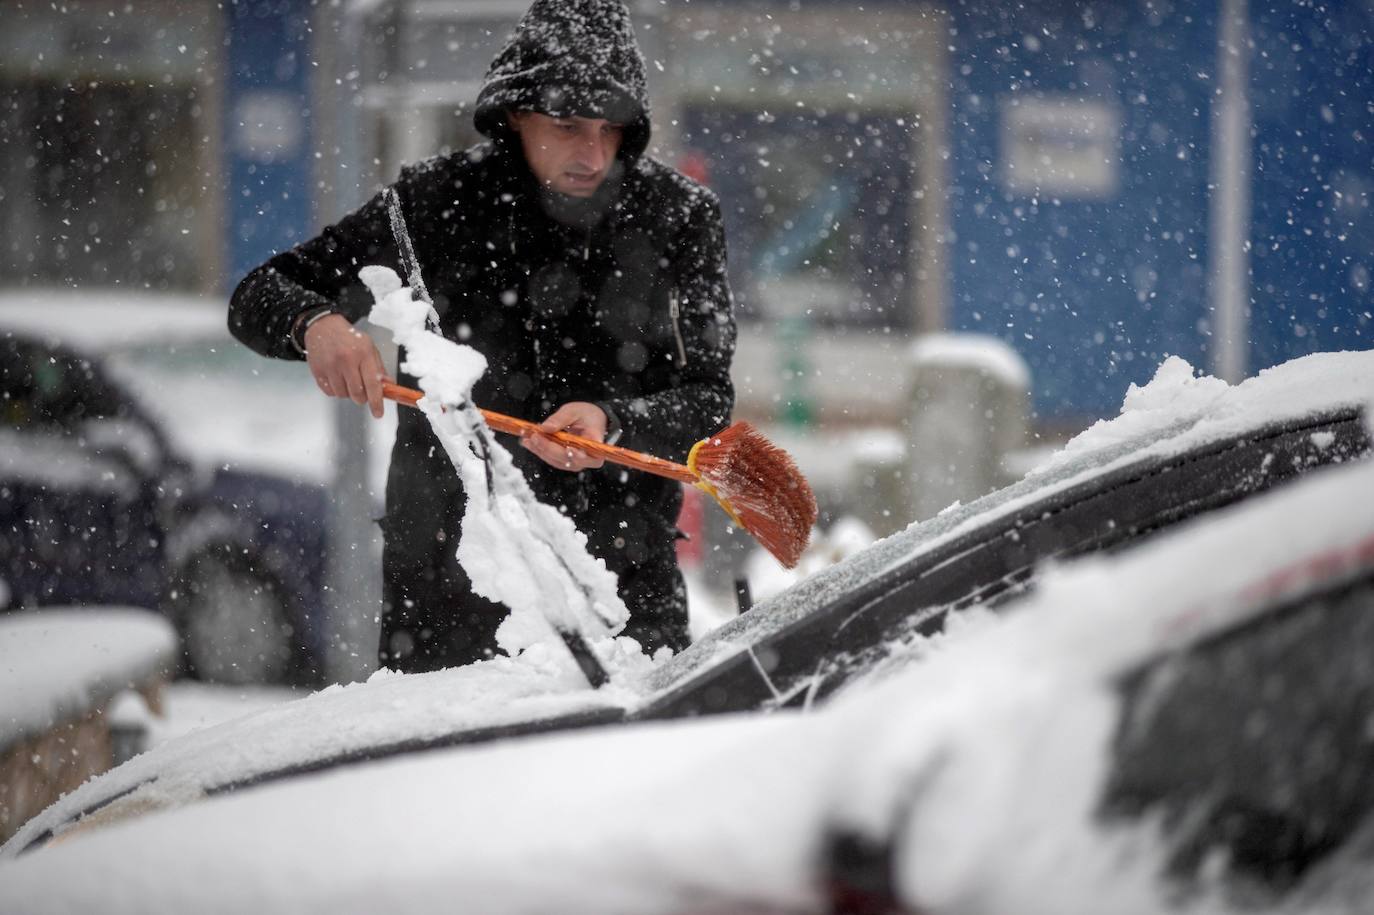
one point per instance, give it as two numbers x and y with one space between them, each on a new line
59 672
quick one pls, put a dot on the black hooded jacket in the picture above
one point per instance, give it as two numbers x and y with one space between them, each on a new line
622 300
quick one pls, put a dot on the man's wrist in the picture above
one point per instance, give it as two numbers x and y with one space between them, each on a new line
303 322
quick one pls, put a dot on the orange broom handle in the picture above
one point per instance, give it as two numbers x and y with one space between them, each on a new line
503 423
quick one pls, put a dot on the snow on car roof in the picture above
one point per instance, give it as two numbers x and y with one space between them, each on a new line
96 320
994 750
1175 413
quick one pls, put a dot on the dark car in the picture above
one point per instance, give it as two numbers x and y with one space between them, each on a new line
101 506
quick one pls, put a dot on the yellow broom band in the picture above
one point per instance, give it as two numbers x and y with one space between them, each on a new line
707 487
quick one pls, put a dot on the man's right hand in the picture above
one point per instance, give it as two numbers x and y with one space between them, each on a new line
345 362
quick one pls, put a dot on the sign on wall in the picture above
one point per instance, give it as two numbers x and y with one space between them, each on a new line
1060 146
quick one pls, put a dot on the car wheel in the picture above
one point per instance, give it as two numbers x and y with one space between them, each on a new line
234 619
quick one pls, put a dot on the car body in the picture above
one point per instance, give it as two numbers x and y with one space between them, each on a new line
1187 447
1182 724
149 459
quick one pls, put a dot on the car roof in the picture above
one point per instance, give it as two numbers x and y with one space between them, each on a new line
98 320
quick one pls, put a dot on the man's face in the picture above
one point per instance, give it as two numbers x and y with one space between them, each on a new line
569 155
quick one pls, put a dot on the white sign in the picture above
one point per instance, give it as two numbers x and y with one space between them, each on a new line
1060 146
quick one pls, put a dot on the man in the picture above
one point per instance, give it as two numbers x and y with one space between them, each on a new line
591 277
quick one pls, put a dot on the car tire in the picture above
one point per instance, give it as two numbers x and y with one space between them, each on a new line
235 619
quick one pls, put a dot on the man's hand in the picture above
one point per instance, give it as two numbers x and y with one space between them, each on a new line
579 418
345 362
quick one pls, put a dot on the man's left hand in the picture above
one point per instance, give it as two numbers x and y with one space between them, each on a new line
578 418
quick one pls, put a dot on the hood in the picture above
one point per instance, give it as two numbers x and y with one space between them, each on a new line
570 57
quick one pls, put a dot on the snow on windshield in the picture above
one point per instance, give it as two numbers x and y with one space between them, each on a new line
1177 411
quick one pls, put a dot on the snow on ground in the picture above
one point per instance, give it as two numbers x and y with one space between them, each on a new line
986 760
56 665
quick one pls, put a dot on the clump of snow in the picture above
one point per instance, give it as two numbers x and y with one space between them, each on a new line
57 665
1175 397
517 551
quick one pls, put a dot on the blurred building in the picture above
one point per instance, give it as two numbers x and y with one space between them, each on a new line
1098 184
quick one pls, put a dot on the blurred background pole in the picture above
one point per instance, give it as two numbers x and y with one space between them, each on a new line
1230 197
352 571
797 409
352 581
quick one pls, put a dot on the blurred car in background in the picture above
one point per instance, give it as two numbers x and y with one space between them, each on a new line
148 458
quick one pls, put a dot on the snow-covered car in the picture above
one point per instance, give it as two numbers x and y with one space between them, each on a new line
1178 727
147 458
1183 446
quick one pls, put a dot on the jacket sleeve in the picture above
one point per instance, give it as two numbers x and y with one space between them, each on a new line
321 271
668 422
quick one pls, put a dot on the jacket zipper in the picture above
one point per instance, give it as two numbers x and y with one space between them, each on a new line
674 312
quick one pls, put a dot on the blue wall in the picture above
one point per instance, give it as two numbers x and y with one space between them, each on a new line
1312 93
267 130
1095 293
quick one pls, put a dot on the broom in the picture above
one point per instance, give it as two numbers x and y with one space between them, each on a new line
755 481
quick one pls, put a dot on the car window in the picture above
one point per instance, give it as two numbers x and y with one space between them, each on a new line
1255 743
51 387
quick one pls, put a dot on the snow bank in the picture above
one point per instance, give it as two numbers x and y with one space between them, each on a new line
57 665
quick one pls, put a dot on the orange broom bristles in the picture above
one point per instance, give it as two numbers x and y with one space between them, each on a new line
760 487
755 481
